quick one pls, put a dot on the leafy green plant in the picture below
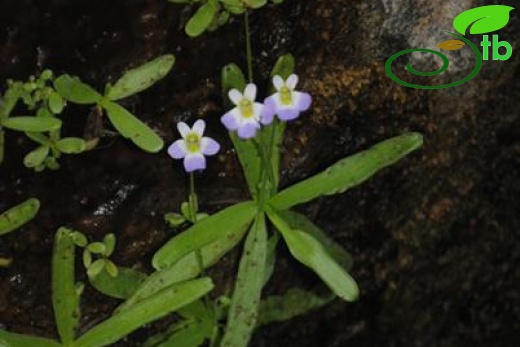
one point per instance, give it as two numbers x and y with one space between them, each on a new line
66 295
47 97
18 215
132 82
211 14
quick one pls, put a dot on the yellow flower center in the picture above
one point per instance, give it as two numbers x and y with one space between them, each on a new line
286 95
246 108
193 143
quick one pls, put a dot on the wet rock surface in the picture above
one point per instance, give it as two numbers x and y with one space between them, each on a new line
434 238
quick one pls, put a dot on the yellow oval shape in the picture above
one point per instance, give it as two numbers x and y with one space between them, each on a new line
451 45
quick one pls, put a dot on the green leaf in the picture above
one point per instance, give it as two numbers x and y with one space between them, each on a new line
36 157
187 267
132 128
56 103
298 221
97 247
18 215
483 19
348 172
141 78
72 89
148 310
308 251
255 3
96 267
174 219
2 146
110 243
248 288
71 145
205 232
270 260
38 138
32 124
231 77
8 339
295 302
79 239
120 287
198 325
65 301
202 19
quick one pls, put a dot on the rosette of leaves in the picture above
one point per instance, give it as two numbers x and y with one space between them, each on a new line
132 82
211 14
66 295
38 95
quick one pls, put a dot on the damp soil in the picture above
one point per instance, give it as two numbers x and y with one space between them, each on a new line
435 238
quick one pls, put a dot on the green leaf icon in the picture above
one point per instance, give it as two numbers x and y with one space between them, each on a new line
482 20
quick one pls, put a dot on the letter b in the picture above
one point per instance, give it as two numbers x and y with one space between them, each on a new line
496 46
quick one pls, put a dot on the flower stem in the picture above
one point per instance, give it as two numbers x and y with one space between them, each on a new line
249 53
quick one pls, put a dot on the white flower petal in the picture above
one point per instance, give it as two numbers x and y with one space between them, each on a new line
250 92
278 82
183 128
235 96
208 146
232 119
198 127
292 81
258 108
178 150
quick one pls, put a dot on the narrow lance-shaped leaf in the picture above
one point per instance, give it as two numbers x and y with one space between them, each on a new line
72 89
243 311
141 78
155 307
483 19
348 172
232 77
132 128
2 144
32 124
308 251
298 221
205 232
19 215
294 302
202 19
65 300
187 267
71 145
8 339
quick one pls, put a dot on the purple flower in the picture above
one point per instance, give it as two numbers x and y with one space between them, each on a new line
193 146
245 117
286 102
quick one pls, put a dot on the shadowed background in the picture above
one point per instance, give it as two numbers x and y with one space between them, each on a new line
435 238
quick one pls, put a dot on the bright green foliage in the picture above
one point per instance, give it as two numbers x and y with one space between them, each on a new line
132 128
307 250
220 225
141 78
212 14
150 309
248 288
32 124
19 215
65 299
348 172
